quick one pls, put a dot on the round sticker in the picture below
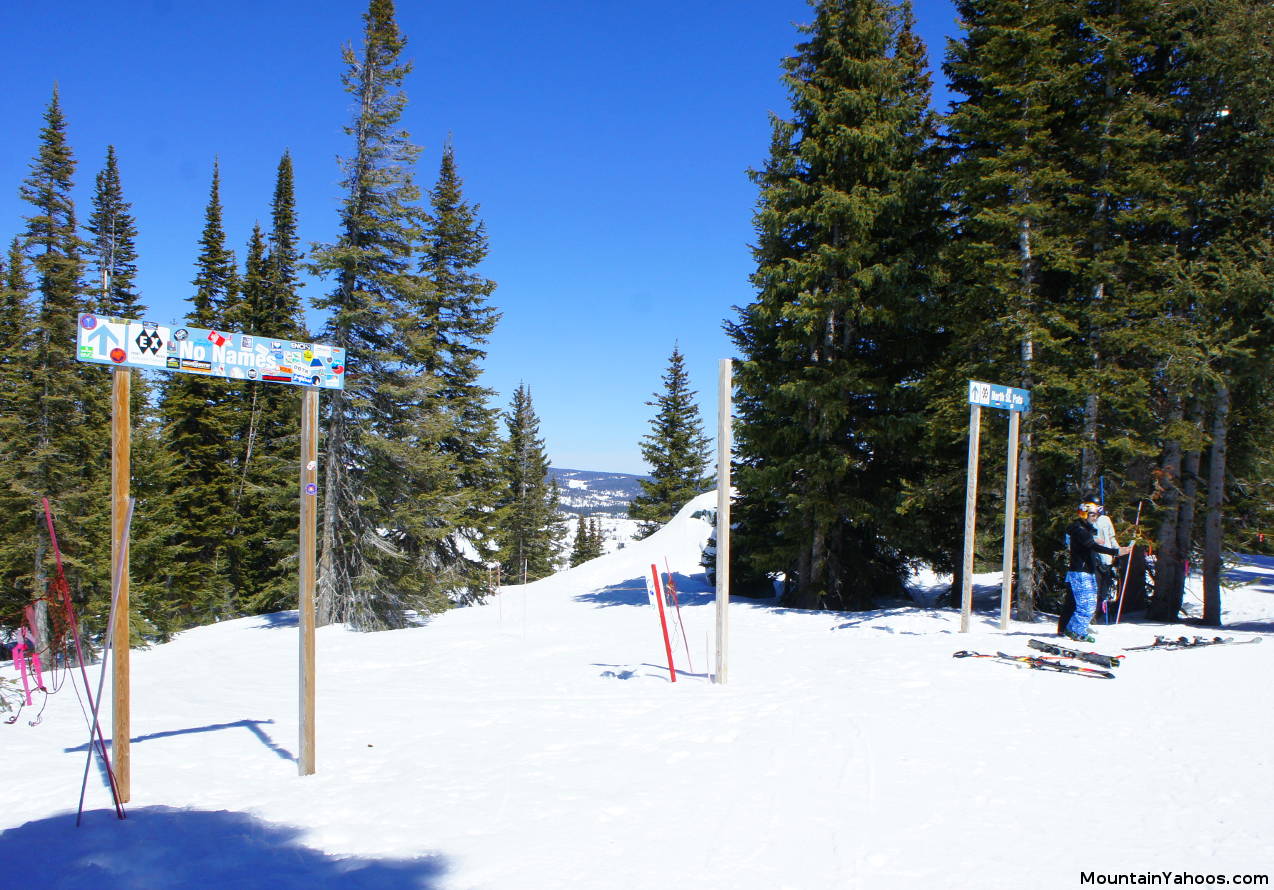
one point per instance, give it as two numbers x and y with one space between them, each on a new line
311 488
118 355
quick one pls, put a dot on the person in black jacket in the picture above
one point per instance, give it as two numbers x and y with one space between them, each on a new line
1081 575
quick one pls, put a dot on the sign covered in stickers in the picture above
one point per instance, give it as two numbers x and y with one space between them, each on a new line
229 354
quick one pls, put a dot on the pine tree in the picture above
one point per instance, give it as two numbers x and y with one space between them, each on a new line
16 535
526 529
676 449
841 327
199 418
282 310
456 320
383 556
114 254
67 403
267 420
582 547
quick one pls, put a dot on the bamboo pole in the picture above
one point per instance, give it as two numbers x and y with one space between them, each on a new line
970 516
725 393
121 722
309 537
1010 519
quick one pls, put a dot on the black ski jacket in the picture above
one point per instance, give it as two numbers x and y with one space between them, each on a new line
1084 547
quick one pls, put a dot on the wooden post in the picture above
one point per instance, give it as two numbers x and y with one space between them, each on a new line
1010 519
725 396
305 600
121 729
970 516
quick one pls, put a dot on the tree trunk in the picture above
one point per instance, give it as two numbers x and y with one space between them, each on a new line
333 584
1216 506
1186 506
40 609
1025 529
1168 575
1088 470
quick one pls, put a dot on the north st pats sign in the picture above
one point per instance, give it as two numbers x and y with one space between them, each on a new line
235 356
992 395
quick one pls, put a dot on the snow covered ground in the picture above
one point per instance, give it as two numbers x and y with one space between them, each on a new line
536 742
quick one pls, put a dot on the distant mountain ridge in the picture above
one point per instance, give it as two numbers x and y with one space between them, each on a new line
593 493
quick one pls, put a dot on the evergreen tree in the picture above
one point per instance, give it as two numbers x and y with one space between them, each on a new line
67 403
842 325
582 547
597 539
385 551
17 537
455 321
282 310
267 420
114 254
676 449
526 529
199 418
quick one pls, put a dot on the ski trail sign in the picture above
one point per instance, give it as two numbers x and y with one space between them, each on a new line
232 355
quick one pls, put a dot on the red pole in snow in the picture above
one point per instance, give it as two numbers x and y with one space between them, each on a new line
663 621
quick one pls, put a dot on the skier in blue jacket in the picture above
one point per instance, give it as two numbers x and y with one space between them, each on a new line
1082 573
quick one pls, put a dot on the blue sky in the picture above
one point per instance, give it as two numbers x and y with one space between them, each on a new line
607 145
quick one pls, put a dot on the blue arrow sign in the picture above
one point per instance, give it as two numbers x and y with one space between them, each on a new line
105 338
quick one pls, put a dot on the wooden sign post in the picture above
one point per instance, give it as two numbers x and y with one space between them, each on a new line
1015 401
305 599
725 397
121 435
123 344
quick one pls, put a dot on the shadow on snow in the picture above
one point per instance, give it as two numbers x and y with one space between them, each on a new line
176 848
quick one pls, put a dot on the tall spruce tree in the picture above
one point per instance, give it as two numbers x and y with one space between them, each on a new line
386 550
266 433
67 402
114 254
526 520
1015 249
16 534
199 418
841 325
456 320
677 451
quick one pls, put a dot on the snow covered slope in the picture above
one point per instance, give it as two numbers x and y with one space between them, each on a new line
535 742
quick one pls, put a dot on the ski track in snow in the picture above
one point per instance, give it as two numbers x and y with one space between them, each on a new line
536 742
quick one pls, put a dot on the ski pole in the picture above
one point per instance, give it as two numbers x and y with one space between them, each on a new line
116 577
95 730
671 585
1136 533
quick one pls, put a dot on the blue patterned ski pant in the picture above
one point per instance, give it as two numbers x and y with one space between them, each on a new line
1084 586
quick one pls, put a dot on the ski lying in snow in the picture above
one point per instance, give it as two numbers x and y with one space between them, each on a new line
1191 643
1037 663
1109 661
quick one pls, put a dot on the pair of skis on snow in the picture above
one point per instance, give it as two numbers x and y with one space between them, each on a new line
1191 643
1051 660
